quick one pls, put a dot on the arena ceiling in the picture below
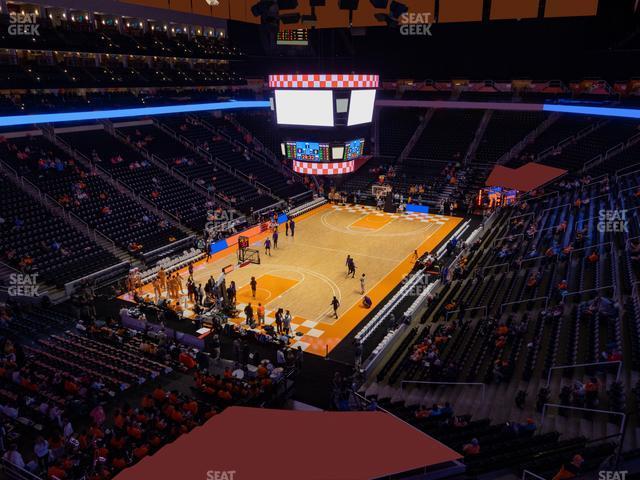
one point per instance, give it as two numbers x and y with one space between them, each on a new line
330 15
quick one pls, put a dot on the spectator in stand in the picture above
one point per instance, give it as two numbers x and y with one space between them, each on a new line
570 469
472 448
41 450
13 456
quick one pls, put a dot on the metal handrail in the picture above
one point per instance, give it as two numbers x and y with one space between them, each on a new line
582 409
13 472
619 362
534 475
170 246
613 286
495 240
546 305
590 247
422 382
484 307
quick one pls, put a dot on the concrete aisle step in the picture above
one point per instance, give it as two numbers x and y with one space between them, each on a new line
371 390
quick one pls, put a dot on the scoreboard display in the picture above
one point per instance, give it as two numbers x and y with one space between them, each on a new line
308 151
298 36
354 149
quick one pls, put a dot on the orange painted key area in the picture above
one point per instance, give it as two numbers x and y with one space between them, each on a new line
268 288
373 221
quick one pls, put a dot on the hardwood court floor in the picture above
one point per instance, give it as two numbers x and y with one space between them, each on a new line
305 272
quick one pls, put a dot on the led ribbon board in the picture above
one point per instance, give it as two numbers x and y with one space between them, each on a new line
14 120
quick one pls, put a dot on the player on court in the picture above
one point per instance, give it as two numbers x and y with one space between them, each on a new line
362 284
275 238
292 227
267 246
335 303
254 286
352 268
350 265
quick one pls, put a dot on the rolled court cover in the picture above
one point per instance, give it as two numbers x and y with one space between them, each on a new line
263 444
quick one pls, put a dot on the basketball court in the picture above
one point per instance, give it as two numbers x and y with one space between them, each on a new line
304 273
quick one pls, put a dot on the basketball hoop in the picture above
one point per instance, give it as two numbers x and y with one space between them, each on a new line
380 191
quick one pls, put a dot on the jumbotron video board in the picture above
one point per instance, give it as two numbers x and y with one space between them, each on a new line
323 119
323 100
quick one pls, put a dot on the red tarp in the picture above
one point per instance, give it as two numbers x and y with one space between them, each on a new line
525 178
261 444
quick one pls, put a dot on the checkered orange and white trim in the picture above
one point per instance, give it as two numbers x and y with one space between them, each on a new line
323 81
331 168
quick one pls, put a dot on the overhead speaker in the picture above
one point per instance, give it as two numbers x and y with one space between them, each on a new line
383 17
317 3
348 4
287 4
289 18
379 3
398 9
259 8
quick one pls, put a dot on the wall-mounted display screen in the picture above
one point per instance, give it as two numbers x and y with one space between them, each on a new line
337 153
322 152
354 149
307 151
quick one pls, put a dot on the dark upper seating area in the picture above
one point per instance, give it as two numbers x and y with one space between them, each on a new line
88 196
197 168
426 95
447 135
576 154
33 240
141 176
84 37
263 126
563 128
217 141
39 75
485 96
82 101
398 125
504 130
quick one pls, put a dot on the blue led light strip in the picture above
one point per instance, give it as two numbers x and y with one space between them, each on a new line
603 111
14 120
